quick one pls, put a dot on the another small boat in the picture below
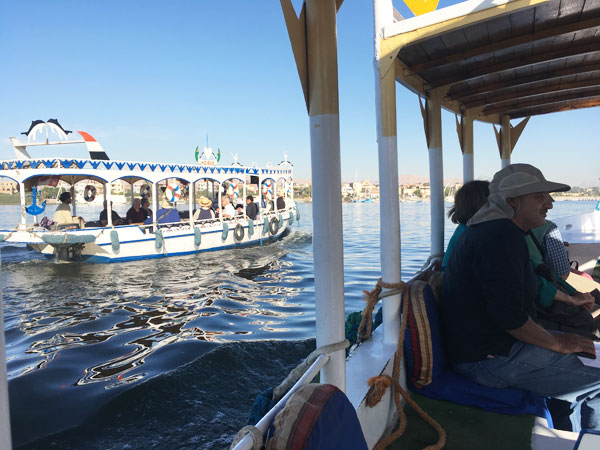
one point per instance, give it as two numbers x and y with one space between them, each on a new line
173 190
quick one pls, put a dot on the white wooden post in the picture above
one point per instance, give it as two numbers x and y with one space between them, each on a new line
323 109
389 207
436 171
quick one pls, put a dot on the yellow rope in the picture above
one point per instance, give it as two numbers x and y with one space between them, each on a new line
380 383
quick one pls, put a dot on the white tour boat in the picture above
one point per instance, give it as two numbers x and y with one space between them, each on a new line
173 190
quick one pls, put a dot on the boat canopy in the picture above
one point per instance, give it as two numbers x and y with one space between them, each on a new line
500 58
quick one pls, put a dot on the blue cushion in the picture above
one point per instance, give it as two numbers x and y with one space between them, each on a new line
428 374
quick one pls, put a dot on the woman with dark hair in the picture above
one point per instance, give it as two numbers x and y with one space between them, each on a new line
467 201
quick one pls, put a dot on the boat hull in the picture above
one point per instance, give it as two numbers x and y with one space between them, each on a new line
134 242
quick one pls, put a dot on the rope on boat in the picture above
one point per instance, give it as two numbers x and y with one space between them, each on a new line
379 384
257 437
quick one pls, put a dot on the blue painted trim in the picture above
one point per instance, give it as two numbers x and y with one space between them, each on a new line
103 259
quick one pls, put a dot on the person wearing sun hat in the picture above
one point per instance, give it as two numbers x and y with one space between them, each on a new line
204 212
487 308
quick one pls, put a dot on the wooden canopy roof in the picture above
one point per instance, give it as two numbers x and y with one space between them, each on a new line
505 57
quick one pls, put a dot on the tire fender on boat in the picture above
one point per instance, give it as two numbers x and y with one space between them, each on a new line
297 214
225 231
197 236
89 193
274 226
159 239
238 232
290 217
114 239
250 227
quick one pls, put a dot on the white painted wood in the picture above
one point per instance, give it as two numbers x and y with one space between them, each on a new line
468 167
441 15
436 173
327 241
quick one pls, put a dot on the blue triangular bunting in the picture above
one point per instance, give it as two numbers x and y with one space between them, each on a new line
48 163
142 166
80 163
131 166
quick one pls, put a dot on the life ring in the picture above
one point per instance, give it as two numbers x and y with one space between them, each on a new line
144 190
89 193
238 232
274 226
173 193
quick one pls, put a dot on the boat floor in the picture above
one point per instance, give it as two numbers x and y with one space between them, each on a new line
466 428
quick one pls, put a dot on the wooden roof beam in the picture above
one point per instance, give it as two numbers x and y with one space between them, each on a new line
556 107
533 102
525 92
508 43
483 70
465 95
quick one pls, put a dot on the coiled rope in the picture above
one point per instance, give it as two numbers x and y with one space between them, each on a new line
379 384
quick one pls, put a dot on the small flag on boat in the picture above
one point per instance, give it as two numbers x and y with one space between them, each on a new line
218 154
419 7
197 153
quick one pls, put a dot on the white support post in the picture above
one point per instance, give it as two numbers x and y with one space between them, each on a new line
5 438
219 207
389 207
505 142
108 205
275 195
436 171
244 192
260 207
154 204
323 109
23 204
73 199
191 204
132 196
468 147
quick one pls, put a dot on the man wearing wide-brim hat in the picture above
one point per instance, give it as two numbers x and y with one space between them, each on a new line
487 305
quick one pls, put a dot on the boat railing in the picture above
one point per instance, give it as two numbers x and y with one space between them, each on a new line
247 442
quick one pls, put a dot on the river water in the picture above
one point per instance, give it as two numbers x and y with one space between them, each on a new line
171 353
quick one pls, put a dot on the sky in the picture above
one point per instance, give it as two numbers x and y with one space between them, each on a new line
152 80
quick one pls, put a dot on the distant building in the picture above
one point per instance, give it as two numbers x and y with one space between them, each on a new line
8 187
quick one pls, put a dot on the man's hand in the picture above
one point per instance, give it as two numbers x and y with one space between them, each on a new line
583 299
573 343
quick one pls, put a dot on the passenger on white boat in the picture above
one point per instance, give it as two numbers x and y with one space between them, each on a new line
116 219
204 212
146 207
227 208
487 306
251 208
62 215
280 202
136 214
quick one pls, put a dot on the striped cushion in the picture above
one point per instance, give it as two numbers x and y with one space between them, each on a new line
422 342
317 416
